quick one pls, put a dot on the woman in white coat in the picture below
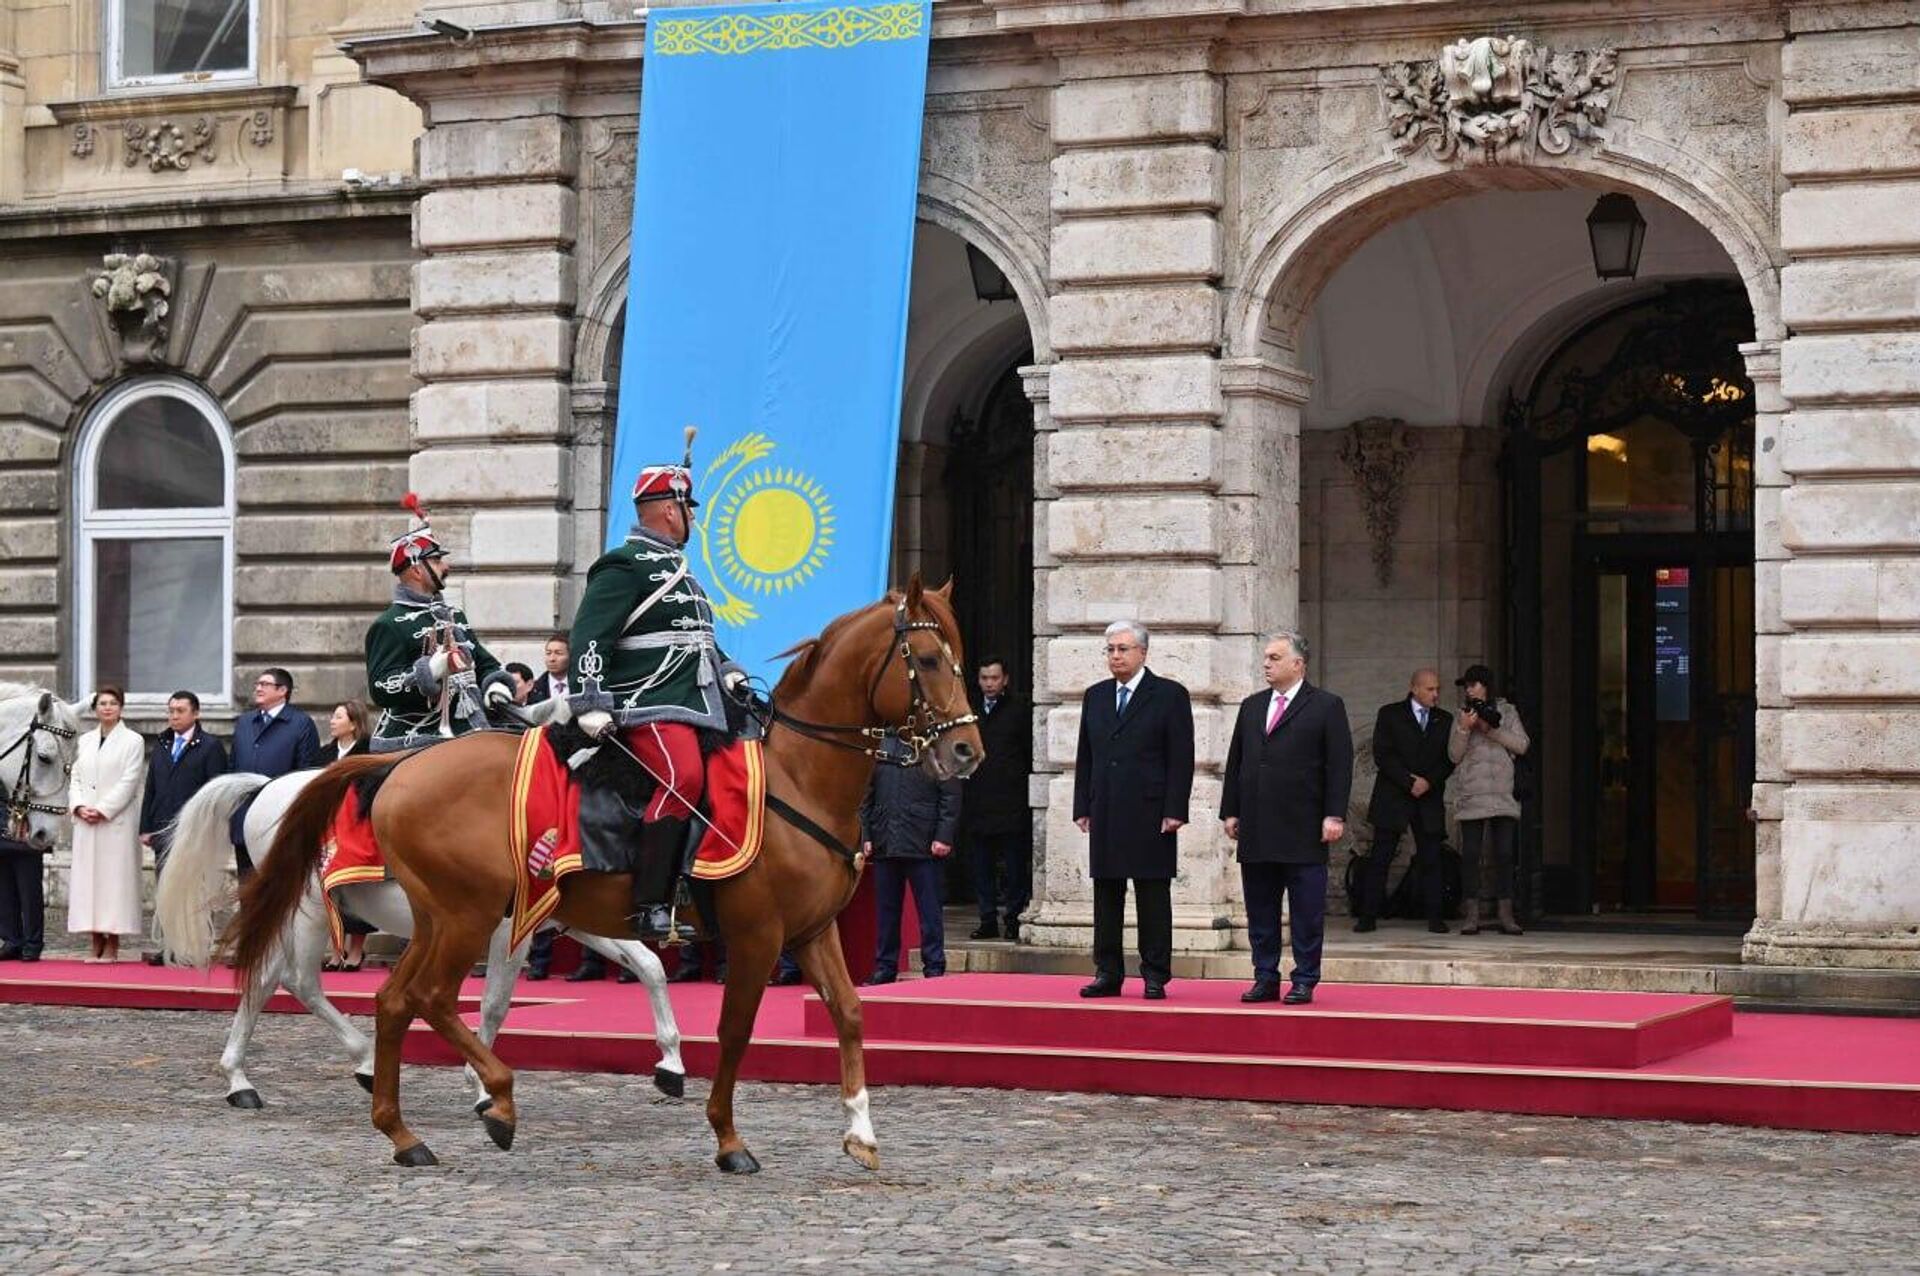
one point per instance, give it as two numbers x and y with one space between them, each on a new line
103 892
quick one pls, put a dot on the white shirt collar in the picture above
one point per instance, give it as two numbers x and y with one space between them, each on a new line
1274 696
275 711
1133 684
1417 707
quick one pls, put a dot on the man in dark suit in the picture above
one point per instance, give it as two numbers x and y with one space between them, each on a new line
182 760
273 740
1132 778
1283 799
996 822
552 684
1410 755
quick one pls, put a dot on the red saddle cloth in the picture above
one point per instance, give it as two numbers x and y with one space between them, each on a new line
544 834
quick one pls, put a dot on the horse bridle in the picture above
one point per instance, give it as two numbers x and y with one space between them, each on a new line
903 746
20 801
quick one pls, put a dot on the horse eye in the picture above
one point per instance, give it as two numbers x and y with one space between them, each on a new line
929 662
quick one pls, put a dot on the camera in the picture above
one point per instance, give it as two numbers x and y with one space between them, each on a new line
1483 710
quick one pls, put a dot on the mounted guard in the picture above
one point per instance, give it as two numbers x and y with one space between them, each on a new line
427 672
646 665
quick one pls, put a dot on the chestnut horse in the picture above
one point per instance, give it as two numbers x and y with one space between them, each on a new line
441 817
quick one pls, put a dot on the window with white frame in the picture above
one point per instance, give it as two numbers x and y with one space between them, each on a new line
153 42
154 500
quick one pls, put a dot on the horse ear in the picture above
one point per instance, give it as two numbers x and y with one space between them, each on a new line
946 591
46 702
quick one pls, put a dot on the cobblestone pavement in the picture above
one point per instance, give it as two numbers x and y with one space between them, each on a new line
118 1155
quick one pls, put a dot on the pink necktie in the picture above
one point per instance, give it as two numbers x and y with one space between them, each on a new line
1273 716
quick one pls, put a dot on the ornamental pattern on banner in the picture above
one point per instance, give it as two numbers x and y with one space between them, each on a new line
736 33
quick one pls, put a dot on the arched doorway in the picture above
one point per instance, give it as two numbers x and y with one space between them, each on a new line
1631 606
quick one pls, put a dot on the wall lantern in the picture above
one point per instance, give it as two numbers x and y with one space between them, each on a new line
989 281
1616 231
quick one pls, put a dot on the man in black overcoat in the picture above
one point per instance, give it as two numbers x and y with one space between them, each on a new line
1284 801
183 758
273 740
1132 778
997 825
1410 756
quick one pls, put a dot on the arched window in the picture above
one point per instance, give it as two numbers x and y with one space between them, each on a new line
154 519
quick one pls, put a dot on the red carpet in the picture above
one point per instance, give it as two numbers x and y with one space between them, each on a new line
1638 1055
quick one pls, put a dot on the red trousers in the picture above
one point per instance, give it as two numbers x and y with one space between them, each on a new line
671 751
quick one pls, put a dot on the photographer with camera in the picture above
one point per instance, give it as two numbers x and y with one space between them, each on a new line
1487 736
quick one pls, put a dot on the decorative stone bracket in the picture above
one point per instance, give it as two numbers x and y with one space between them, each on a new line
1376 451
1495 98
136 291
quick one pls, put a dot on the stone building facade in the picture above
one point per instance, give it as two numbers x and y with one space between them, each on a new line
1267 316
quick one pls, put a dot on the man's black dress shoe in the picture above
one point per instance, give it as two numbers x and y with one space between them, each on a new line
1102 988
536 974
626 977
985 930
153 959
877 978
582 973
1013 931
687 972
30 954
1262 990
1363 925
1438 928
1297 995
1155 992
9 953
785 979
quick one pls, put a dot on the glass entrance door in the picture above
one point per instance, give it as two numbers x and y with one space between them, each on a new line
1663 762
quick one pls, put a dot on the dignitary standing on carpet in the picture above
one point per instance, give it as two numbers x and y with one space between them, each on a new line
908 823
103 889
1283 798
183 759
273 740
1132 779
1410 756
997 828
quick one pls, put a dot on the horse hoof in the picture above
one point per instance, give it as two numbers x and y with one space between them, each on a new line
740 1162
415 1157
499 1131
481 1108
248 1099
671 1084
865 1153
366 1081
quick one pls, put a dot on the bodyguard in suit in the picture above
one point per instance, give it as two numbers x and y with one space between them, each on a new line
183 758
997 825
1410 755
1132 778
272 740
551 684
1283 799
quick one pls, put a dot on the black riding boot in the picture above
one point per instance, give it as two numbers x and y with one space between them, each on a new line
661 843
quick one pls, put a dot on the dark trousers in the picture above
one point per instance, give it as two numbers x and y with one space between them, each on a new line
1152 914
1496 835
23 901
540 952
1007 857
891 878
1374 866
1305 889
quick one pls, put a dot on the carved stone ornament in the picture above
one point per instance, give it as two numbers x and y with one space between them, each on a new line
1499 98
165 145
82 140
1376 451
260 128
136 289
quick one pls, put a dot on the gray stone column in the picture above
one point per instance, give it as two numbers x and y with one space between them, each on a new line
495 292
1839 727
1146 508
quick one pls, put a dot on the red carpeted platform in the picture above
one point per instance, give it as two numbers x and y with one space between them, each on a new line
1644 1056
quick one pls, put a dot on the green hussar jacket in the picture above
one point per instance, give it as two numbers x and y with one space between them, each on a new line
398 673
642 642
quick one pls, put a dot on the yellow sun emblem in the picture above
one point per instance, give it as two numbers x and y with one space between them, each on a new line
768 527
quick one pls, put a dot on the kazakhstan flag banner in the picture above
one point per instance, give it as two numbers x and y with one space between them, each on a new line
767 303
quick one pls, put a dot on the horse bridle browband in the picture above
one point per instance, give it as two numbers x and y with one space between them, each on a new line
20 798
923 727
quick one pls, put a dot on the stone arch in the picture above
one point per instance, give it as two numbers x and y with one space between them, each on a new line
1021 256
602 300
1297 248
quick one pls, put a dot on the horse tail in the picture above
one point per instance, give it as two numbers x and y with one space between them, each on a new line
198 857
273 893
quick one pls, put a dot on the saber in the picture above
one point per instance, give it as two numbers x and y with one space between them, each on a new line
614 739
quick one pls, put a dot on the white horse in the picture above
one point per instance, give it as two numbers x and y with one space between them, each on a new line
39 739
195 881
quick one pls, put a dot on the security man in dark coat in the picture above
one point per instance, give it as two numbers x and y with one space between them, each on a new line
273 740
908 823
1283 798
1132 778
1410 755
998 826
183 758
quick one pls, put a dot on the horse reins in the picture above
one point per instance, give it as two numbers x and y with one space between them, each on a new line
20 801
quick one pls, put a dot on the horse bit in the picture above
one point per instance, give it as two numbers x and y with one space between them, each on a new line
20 801
924 727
